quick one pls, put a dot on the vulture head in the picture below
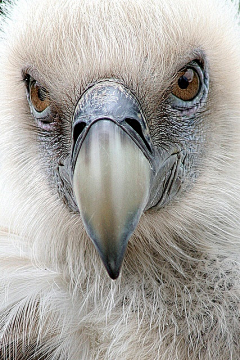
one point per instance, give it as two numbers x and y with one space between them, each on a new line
119 159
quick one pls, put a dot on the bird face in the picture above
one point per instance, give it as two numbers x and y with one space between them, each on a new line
115 170
119 111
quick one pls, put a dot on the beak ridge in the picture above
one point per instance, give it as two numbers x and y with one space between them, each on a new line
111 166
111 184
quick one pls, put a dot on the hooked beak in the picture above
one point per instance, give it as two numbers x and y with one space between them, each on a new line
111 166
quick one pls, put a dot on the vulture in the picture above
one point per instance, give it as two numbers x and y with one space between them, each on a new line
119 180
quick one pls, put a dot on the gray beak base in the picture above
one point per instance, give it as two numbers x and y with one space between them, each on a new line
111 172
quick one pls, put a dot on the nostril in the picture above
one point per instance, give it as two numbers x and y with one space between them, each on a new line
135 125
78 129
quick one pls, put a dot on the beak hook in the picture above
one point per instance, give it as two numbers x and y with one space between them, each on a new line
111 169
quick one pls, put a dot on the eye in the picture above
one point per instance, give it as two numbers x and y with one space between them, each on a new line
189 88
38 97
187 85
39 100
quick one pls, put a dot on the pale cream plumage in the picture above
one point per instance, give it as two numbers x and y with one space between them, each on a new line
177 296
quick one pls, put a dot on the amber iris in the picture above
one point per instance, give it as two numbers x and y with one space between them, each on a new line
187 84
39 97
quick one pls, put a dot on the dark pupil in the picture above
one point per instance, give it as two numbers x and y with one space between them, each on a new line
42 94
183 82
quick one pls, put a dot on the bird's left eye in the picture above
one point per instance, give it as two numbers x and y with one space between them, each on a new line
187 85
189 88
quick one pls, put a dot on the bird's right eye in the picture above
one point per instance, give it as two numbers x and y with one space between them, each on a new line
39 97
39 100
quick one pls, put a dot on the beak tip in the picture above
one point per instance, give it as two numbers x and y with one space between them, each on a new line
112 268
114 274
